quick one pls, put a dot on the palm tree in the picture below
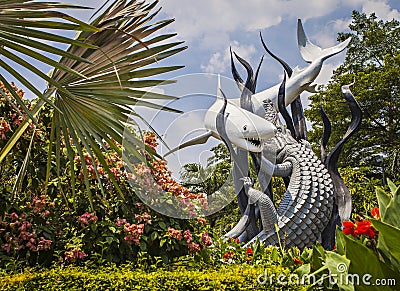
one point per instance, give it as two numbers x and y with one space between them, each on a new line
94 82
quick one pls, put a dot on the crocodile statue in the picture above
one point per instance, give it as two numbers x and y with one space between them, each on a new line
315 197
306 207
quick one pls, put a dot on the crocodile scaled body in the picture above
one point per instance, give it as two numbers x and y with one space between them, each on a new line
307 205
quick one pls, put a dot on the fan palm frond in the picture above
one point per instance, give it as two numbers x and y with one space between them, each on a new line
95 103
22 38
106 69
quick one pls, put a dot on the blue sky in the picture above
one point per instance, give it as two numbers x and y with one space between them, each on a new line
210 27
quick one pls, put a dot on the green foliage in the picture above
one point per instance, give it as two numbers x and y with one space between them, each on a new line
361 184
373 61
92 86
210 178
372 40
129 277
360 254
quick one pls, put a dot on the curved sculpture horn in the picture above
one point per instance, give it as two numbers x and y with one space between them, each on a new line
287 68
255 76
282 108
342 205
248 68
326 134
235 74
221 129
356 117
296 106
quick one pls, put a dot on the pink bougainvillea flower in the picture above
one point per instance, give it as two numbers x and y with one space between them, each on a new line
194 248
174 233
206 239
202 221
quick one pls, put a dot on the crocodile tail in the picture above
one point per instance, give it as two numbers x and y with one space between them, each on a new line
311 52
241 226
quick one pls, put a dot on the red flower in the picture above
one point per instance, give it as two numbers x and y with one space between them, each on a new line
249 252
349 228
296 261
375 213
226 255
364 227
234 240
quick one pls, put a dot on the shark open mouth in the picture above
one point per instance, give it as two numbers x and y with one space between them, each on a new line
254 141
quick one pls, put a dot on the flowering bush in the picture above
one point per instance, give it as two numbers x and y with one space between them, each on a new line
64 225
22 234
155 178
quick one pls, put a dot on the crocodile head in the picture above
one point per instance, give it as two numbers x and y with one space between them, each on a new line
247 181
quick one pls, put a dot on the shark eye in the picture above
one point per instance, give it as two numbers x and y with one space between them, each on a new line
245 127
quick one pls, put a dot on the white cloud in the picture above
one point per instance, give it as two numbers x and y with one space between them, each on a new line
201 21
381 9
219 62
326 37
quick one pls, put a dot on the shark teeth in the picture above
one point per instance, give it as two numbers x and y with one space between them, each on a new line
255 141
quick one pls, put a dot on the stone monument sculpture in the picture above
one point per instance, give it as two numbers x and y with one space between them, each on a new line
316 199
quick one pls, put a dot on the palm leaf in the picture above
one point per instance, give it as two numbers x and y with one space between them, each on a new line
21 40
96 97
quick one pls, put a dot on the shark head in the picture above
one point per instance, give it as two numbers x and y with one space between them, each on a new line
234 125
243 128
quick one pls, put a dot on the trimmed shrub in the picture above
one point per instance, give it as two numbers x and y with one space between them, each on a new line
128 277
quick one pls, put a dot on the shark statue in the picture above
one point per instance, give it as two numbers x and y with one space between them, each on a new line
301 79
243 128
247 130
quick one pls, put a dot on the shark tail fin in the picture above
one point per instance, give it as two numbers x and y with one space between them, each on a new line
310 52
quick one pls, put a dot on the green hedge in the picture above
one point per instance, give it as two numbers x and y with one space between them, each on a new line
233 277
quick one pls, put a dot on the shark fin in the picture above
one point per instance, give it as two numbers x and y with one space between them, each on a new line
310 52
312 88
296 71
197 140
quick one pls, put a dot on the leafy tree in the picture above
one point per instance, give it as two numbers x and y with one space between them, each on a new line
210 178
373 61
